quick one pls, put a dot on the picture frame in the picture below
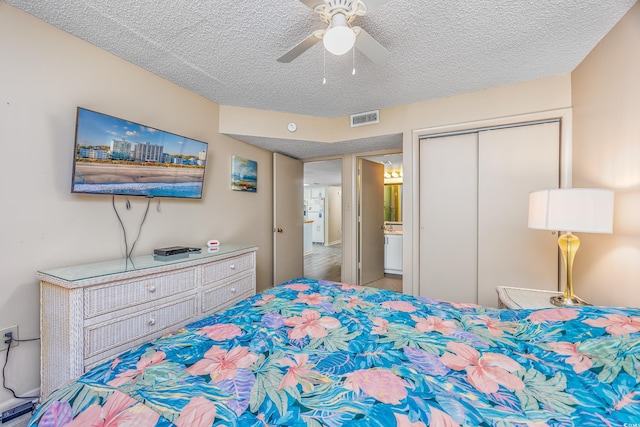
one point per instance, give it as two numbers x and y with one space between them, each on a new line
244 174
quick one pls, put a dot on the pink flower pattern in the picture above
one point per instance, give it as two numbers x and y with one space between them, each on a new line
354 301
378 383
496 328
580 361
463 305
141 366
265 299
616 324
403 420
404 306
310 324
118 410
221 364
434 323
381 326
297 287
299 372
441 419
199 412
221 331
627 399
487 372
349 287
553 315
311 299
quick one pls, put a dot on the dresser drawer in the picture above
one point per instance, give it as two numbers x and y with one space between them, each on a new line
216 298
120 332
103 299
222 269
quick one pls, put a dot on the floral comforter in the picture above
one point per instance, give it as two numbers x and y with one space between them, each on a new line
314 353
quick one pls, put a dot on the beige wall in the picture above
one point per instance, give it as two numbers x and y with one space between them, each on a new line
606 153
536 95
45 74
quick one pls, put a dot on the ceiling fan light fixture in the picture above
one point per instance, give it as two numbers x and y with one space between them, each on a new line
340 38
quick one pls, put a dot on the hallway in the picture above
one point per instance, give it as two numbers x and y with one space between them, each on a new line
325 263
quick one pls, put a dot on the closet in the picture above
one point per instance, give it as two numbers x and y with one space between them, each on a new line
474 195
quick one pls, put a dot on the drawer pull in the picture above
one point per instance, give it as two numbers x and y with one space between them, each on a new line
233 290
151 287
232 266
151 321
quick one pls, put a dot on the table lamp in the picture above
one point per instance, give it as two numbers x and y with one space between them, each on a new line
587 210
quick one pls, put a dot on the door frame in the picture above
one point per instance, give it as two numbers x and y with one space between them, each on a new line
350 211
342 197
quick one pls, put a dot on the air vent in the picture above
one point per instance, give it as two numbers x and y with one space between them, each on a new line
366 118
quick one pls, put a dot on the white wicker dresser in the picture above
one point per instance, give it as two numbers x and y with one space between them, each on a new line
90 313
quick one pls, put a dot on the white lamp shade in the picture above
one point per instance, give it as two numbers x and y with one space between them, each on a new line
339 39
587 210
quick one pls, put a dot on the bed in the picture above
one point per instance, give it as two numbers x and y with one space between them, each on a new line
316 353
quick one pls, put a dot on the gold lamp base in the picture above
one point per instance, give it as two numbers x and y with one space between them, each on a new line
562 301
569 245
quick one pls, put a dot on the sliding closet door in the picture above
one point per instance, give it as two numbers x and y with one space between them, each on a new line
512 162
448 217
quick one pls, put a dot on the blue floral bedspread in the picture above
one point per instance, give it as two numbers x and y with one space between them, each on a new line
314 353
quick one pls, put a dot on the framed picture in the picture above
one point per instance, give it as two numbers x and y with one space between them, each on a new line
244 174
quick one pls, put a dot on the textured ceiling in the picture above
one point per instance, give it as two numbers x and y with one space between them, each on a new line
226 50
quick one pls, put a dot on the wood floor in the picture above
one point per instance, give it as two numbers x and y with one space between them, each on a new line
325 263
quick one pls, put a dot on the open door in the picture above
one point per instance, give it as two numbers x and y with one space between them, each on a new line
370 221
288 212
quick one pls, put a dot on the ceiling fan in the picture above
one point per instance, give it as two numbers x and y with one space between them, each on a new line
339 37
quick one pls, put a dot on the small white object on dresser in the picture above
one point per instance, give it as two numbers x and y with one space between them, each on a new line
90 313
509 297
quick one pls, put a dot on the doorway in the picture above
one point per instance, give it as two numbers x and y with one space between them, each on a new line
322 248
387 216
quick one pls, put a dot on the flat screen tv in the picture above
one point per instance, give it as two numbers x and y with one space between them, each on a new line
120 157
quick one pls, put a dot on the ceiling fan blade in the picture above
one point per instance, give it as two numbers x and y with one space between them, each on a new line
372 4
370 47
300 48
311 4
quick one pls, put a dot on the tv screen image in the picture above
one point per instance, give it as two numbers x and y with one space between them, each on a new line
120 157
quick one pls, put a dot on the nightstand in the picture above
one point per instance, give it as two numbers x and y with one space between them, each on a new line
509 297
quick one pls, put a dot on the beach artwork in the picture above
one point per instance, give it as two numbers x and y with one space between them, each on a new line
244 174
116 156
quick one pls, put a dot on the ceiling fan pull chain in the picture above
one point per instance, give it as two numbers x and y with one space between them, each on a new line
324 66
353 57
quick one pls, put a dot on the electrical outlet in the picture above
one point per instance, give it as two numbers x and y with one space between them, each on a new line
14 333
